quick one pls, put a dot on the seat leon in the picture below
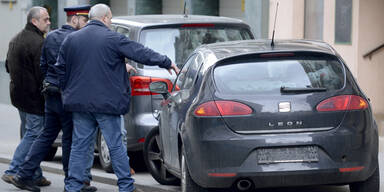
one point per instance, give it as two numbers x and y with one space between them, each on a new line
245 115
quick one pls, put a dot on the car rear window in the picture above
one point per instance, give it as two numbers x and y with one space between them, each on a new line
269 75
178 43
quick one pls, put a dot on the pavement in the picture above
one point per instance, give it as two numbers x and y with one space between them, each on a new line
143 181
56 186
9 124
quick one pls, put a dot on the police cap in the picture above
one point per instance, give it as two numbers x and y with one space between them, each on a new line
82 10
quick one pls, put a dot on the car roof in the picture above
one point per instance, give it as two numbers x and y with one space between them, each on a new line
152 20
219 51
235 48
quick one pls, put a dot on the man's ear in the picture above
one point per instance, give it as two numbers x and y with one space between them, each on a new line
73 20
34 21
105 19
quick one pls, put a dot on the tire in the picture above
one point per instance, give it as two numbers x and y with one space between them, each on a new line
104 156
51 154
153 159
372 184
187 183
136 161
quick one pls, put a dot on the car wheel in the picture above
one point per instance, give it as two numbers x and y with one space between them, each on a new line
104 157
51 154
136 161
372 184
153 158
187 183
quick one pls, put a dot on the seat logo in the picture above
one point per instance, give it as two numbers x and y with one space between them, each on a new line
284 107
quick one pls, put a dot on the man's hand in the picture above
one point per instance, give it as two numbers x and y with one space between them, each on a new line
174 68
49 88
130 68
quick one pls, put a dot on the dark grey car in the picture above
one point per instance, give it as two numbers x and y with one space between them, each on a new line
248 115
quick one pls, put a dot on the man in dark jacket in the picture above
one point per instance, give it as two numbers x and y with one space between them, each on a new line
56 118
23 65
95 87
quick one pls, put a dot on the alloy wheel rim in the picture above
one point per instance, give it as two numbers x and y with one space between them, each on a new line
155 158
104 150
183 174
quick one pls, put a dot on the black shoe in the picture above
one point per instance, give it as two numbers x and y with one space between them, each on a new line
24 184
7 178
42 182
138 190
88 188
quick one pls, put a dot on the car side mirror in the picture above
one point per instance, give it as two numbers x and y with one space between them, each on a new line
159 87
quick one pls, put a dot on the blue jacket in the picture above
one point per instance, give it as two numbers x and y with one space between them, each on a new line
92 72
50 51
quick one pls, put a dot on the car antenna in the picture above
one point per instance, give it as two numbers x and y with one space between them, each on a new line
185 9
274 26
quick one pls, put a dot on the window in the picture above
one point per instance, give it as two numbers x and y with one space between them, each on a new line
343 21
123 31
179 43
113 27
182 75
267 76
314 14
191 74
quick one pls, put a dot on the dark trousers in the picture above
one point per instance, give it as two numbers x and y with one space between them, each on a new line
56 119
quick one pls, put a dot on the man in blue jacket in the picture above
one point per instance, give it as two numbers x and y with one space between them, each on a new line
56 118
94 80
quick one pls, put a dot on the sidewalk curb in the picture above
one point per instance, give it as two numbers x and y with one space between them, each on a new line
95 178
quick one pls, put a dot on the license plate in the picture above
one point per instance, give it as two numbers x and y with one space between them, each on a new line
287 155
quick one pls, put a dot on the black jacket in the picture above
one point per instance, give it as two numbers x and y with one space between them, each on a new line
23 66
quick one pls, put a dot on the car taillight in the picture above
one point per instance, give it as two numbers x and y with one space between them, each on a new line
140 85
343 103
351 169
223 108
141 140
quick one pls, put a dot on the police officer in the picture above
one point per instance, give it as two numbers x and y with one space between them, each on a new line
56 118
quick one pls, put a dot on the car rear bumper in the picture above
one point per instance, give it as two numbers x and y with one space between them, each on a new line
138 127
220 161
287 178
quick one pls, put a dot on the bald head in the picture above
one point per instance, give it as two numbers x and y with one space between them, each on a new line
101 12
35 13
39 17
